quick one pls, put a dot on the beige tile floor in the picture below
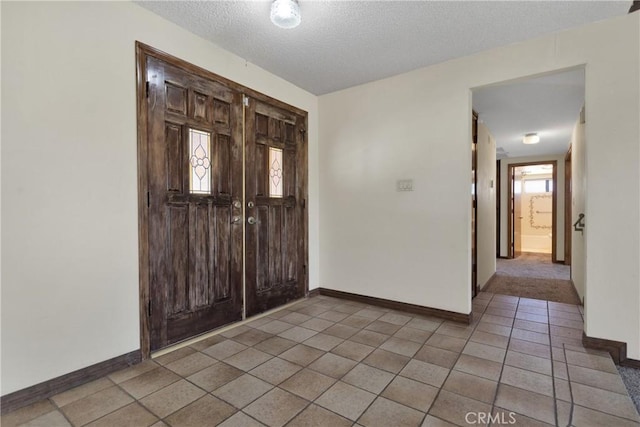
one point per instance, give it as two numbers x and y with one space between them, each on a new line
331 362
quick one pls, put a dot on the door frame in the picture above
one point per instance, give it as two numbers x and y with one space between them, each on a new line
143 51
554 205
498 212
474 204
567 207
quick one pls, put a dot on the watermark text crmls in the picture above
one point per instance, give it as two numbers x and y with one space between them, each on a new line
483 418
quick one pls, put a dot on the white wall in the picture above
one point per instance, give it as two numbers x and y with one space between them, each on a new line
415 247
406 246
69 177
486 191
578 194
504 203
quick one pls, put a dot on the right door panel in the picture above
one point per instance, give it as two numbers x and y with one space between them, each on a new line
275 185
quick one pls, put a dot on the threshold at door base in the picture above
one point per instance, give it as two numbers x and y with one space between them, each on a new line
218 331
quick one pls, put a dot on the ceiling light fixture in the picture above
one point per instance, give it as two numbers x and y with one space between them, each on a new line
531 138
285 13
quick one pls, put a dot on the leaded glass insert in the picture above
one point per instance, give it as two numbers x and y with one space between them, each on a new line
200 161
275 172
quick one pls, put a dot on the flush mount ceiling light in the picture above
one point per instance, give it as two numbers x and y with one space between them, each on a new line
531 138
285 13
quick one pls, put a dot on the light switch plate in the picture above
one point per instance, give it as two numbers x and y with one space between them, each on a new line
404 185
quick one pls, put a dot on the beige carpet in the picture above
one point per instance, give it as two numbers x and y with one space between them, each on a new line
533 275
533 265
546 289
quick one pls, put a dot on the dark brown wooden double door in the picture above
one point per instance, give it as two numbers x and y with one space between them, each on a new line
214 246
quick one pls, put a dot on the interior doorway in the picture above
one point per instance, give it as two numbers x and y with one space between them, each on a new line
222 200
532 196
533 121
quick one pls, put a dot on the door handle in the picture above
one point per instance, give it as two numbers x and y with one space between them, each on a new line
251 220
579 224
235 220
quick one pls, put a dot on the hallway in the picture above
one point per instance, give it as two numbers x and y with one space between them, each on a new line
533 275
326 361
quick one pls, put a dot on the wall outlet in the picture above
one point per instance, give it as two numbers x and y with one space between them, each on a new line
404 185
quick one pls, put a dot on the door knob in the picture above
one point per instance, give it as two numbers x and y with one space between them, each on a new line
235 219
251 220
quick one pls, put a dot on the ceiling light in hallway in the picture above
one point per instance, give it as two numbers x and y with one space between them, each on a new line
531 138
285 13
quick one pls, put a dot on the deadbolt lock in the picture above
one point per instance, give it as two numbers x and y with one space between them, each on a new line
250 205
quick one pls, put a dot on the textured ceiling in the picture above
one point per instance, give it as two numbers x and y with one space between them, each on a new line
548 105
340 44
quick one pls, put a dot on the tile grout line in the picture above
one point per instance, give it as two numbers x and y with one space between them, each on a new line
553 377
59 409
504 360
572 403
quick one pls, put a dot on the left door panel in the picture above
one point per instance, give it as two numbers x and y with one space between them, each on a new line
195 203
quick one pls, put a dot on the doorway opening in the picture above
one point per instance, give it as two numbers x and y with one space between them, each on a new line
525 130
533 203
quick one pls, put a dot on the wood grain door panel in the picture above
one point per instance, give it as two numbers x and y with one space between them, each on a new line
276 242
194 232
195 245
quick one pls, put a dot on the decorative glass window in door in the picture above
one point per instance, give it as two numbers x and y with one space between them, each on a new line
200 162
275 172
